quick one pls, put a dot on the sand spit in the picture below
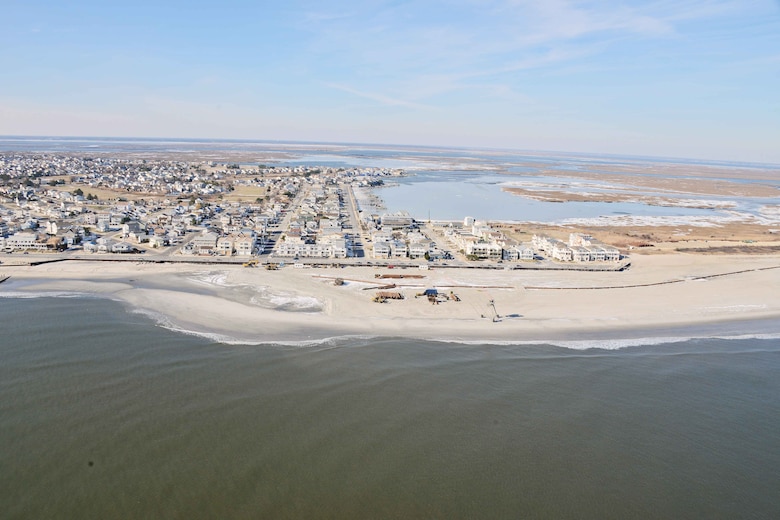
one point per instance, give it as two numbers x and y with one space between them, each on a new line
255 305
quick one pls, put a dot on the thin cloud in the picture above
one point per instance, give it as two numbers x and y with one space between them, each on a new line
379 98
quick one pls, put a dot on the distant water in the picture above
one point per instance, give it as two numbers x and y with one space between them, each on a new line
105 415
449 183
352 154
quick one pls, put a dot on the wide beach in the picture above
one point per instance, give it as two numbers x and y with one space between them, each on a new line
657 296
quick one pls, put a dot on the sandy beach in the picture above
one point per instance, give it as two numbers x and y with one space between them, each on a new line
656 296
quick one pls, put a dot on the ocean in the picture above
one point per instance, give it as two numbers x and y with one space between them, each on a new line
104 414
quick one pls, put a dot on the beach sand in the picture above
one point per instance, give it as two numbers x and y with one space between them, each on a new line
236 304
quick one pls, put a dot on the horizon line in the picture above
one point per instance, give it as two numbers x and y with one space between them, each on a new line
399 145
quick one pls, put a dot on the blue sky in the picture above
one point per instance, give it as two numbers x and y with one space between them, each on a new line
679 78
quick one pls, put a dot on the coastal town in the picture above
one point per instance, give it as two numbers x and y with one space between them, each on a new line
247 248
168 210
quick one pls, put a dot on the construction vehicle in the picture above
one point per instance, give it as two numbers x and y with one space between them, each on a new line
251 263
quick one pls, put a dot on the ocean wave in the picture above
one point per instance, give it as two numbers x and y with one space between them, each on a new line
601 344
612 343
165 322
619 344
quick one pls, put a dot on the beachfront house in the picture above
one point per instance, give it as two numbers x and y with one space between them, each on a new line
157 241
518 252
24 241
587 249
315 250
225 245
419 249
562 252
611 254
244 244
484 250
398 249
339 246
580 254
543 243
381 249
122 247
204 244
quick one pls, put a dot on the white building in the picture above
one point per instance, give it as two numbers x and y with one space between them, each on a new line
225 245
398 249
25 241
244 245
562 252
418 249
484 250
204 243
381 249
518 252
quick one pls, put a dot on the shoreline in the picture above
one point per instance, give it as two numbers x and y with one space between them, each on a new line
660 296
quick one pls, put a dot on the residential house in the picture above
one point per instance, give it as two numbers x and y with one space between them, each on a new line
204 244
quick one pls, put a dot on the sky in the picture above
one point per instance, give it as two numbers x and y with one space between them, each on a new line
670 78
